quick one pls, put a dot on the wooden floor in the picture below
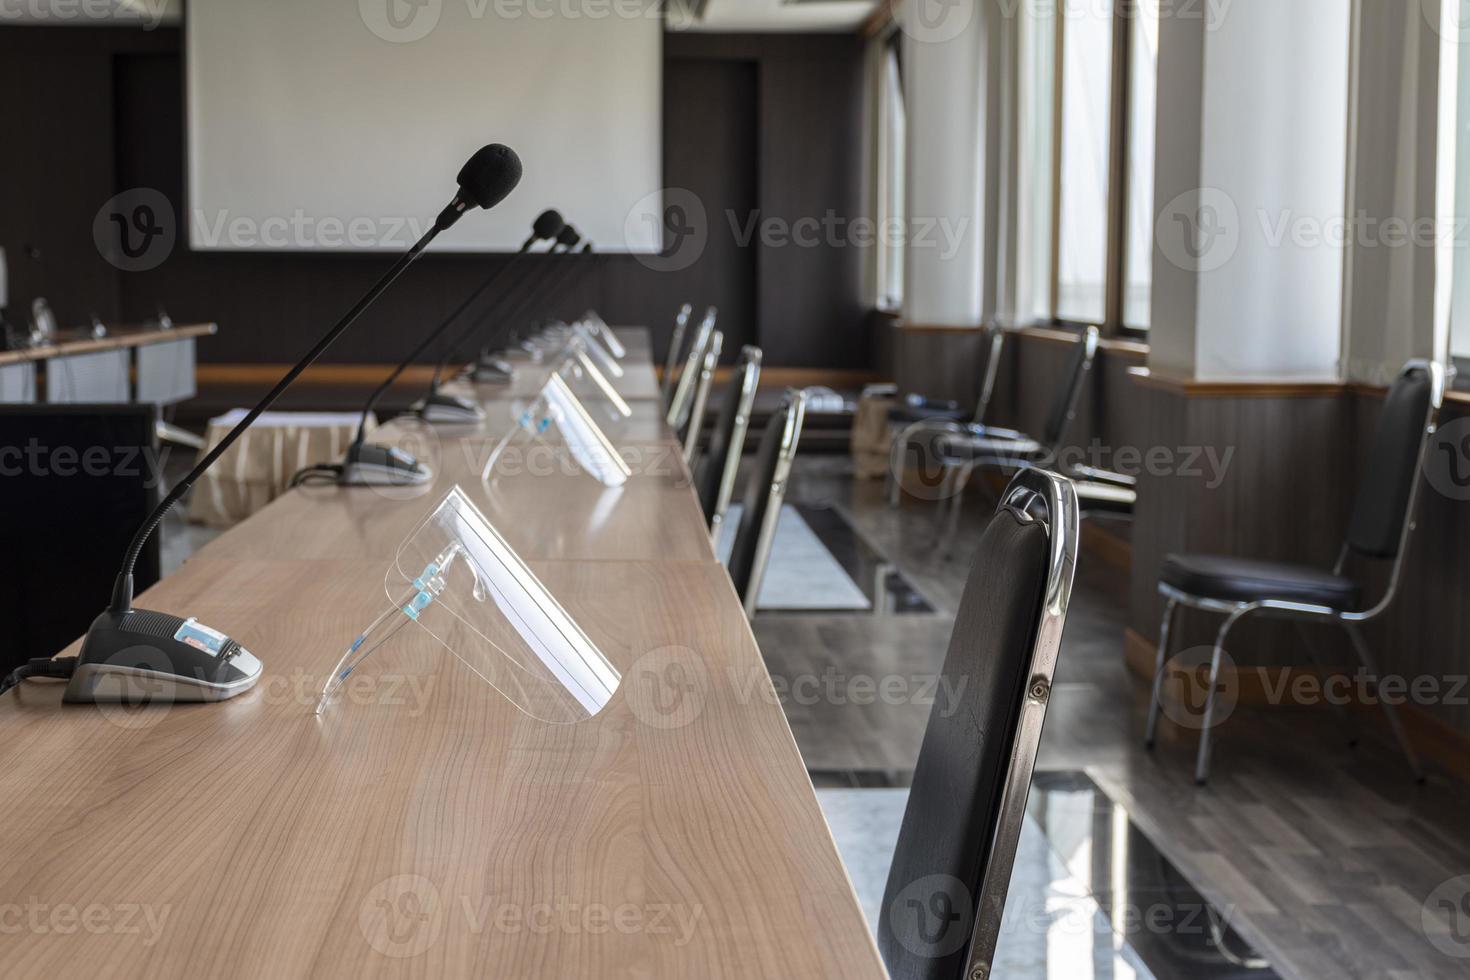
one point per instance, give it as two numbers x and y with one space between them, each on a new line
1324 856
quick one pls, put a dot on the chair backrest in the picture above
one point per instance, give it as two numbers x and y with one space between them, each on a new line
997 336
947 885
695 424
683 397
676 350
1382 509
70 520
714 477
1064 409
764 492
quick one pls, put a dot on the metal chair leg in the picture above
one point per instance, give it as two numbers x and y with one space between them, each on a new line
1158 685
1202 760
1366 656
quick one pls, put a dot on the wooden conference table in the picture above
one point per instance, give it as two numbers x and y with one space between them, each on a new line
424 826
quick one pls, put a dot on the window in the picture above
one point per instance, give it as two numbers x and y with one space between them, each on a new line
892 154
1138 248
1088 78
1034 170
1082 243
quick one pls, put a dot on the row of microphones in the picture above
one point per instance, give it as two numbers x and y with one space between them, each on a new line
139 655
369 464
493 371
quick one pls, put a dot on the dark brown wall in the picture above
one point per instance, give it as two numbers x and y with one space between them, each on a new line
752 122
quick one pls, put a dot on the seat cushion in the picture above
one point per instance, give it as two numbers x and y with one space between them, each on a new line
981 448
906 413
1248 580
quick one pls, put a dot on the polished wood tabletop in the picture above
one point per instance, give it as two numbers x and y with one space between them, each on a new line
424 826
72 342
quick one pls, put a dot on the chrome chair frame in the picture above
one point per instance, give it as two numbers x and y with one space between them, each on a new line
1349 620
676 345
683 396
790 437
749 371
701 393
1030 491
982 408
957 471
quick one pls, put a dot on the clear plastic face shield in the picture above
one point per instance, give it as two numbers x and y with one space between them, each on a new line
583 376
605 333
455 578
587 338
558 410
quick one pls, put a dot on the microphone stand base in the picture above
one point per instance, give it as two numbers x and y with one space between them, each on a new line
445 409
369 465
146 657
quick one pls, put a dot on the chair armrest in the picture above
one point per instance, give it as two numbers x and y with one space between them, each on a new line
996 432
1104 476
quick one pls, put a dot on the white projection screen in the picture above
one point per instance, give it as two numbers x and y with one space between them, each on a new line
341 125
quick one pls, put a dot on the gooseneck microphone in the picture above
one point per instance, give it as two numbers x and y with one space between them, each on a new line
512 299
367 464
440 406
139 655
551 274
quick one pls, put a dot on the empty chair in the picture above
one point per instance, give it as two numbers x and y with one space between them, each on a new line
951 869
692 426
714 476
1379 529
962 449
915 413
676 350
764 492
682 400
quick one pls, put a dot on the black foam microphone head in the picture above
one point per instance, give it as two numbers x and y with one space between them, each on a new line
489 175
568 236
548 224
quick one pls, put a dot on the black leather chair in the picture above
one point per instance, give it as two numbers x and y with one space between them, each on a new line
962 449
764 492
916 413
681 400
675 356
688 435
714 474
1381 524
941 912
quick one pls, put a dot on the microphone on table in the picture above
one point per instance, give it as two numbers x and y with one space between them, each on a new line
367 464
558 279
490 369
551 273
138 655
439 407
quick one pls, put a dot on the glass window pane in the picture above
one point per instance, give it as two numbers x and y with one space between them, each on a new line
1143 78
891 237
1460 252
1034 170
1087 55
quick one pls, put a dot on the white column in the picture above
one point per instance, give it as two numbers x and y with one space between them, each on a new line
1251 188
1395 157
945 65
